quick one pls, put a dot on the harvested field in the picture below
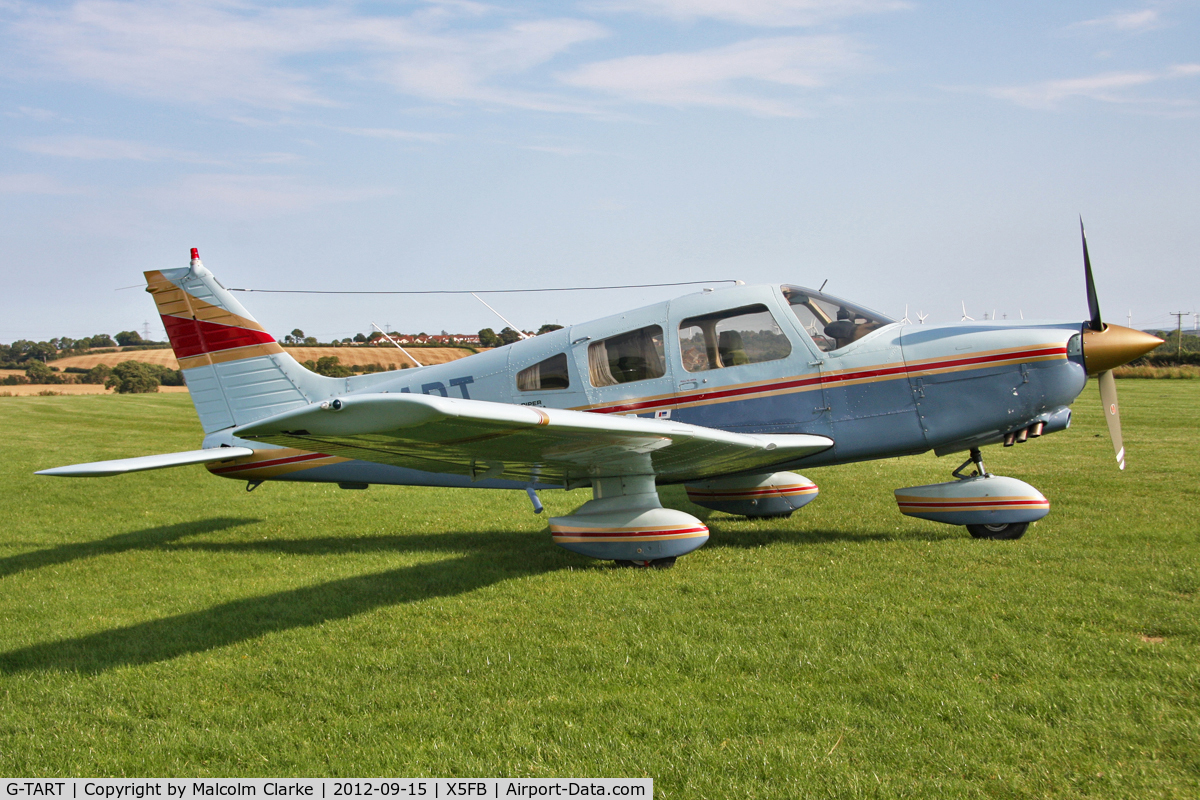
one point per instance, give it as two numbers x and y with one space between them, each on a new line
34 389
349 356
164 357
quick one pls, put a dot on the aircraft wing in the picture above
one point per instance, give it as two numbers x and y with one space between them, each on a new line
100 469
484 439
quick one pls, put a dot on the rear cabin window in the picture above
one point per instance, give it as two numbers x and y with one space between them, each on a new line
548 374
746 335
627 357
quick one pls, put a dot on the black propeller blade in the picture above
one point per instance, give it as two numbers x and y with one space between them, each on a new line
1095 323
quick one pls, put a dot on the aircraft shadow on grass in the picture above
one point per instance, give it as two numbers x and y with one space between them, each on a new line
148 539
485 558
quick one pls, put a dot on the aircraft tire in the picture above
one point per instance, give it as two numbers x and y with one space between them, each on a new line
1008 531
655 563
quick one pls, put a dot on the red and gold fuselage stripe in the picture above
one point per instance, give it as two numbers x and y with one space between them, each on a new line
849 377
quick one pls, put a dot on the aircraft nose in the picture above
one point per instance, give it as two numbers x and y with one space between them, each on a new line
1115 345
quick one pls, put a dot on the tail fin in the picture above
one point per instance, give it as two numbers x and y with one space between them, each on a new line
236 371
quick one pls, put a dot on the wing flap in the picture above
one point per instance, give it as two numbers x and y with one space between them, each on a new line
100 469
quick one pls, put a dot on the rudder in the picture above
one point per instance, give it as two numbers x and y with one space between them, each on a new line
235 370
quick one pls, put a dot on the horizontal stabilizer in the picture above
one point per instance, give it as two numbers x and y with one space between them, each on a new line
99 469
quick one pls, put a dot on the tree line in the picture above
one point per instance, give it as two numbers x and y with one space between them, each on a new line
15 355
128 377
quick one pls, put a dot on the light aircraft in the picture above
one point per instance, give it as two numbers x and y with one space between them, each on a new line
726 391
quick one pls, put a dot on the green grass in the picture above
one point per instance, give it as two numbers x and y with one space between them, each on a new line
169 623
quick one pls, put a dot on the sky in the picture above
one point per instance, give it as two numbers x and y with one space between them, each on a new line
919 155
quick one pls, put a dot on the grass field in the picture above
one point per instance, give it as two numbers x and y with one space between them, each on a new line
171 624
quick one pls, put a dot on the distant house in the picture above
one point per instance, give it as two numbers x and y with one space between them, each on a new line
446 339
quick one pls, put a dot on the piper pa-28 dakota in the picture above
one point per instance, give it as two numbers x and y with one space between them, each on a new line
726 391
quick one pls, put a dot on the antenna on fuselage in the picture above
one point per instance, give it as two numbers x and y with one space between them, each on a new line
393 341
823 285
501 316
965 318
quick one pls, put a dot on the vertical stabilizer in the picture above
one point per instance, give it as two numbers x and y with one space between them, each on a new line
236 371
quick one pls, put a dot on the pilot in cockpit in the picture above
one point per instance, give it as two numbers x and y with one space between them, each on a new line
832 323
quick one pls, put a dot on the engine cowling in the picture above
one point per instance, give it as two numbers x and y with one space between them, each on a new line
775 495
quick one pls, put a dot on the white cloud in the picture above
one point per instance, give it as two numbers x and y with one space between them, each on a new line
395 133
725 76
32 183
1144 20
86 147
561 150
1108 87
767 13
220 51
463 68
242 196
36 114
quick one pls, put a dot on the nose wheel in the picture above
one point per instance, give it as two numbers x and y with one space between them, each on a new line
654 563
1006 531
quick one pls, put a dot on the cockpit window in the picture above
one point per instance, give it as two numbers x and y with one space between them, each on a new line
833 323
728 338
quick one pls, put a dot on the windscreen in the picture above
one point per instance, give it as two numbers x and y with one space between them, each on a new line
832 322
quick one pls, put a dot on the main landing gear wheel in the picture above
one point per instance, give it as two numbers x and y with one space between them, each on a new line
1007 531
654 563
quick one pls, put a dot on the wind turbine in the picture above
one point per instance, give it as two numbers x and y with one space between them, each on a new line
921 317
965 318
906 320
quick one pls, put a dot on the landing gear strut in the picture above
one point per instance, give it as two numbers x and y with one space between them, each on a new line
976 459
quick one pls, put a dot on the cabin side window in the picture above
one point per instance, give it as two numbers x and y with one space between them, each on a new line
548 374
747 335
627 357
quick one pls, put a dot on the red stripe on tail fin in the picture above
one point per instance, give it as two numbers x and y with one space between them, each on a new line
190 337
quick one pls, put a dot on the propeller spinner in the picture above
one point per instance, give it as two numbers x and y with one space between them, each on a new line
1106 347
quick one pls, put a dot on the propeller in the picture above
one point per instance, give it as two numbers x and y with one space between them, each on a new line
1106 347
1093 302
